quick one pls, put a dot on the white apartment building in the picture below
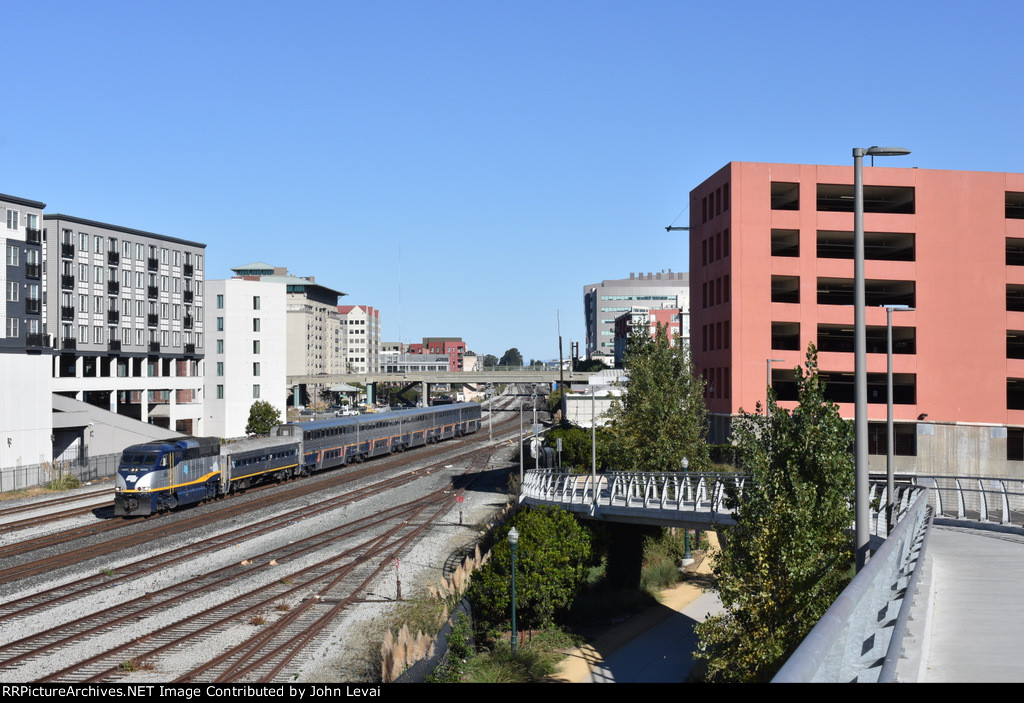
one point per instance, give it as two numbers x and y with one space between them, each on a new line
26 415
313 320
246 330
357 338
126 309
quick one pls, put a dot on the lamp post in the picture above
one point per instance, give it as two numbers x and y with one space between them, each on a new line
593 443
687 556
860 372
768 380
890 484
513 540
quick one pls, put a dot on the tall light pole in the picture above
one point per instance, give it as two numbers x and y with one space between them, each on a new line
768 380
890 438
513 540
860 371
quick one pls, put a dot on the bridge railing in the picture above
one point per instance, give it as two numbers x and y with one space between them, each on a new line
861 635
668 491
979 498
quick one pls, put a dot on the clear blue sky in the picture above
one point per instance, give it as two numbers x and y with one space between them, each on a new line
513 152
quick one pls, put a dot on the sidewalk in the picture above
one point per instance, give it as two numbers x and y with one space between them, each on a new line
651 647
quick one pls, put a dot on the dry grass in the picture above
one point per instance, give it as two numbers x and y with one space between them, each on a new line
257 619
136 664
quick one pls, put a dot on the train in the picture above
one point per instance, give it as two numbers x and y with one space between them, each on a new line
166 474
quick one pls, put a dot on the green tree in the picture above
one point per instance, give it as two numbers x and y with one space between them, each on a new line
511 357
490 360
584 365
661 418
552 557
788 557
262 418
576 449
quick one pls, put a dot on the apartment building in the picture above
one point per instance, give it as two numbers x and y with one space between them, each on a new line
452 347
642 319
246 358
26 422
605 301
313 323
125 309
771 252
358 338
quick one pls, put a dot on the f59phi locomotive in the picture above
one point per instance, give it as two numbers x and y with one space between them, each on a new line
164 474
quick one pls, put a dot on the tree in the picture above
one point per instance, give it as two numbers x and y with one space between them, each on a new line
262 418
788 557
661 418
552 557
584 365
490 361
512 357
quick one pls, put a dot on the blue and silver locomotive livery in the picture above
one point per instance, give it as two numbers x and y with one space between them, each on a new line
162 475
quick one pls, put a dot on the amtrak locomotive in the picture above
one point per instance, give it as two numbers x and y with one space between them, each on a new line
164 474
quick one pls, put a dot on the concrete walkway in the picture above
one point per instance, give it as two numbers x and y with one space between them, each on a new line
976 618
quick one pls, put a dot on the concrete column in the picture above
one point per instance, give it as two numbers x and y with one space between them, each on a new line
424 394
113 401
371 392
143 405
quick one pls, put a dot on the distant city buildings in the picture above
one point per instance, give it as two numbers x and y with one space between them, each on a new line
451 347
358 340
605 301
645 320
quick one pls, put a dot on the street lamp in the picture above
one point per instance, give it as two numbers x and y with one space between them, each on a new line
513 540
687 556
891 440
860 372
768 380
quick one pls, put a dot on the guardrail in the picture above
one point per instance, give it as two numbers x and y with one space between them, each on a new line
860 637
979 498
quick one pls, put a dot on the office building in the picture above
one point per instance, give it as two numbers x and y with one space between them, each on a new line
642 319
771 252
358 338
607 300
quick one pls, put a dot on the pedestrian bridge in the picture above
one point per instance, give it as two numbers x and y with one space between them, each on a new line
966 582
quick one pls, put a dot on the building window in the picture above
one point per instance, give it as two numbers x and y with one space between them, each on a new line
255 324
220 302
255 346
220 368
12 292
12 254
256 391
12 327
256 368
12 220
220 324
255 302
220 392
220 346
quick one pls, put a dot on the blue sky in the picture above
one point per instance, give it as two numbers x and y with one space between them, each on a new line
467 167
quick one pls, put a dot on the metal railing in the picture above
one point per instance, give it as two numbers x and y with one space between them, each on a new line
860 637
32 475
977 498
676 492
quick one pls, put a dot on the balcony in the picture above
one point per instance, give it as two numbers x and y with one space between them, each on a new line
114 345
152 292
113 316
67 282
33 271
33 306
33 236
152 319
69 343
113 258
113 287
37 340
187 296
154 347
187 322
67 251
67 312
152 264
188 270
190 349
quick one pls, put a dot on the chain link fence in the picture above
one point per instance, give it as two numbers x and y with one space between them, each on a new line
84 469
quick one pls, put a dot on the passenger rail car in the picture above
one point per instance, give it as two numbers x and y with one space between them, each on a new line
162 475
339 441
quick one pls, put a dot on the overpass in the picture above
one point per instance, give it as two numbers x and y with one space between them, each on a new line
495 374
945 612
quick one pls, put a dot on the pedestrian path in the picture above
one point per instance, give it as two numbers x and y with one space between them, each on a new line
976 618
